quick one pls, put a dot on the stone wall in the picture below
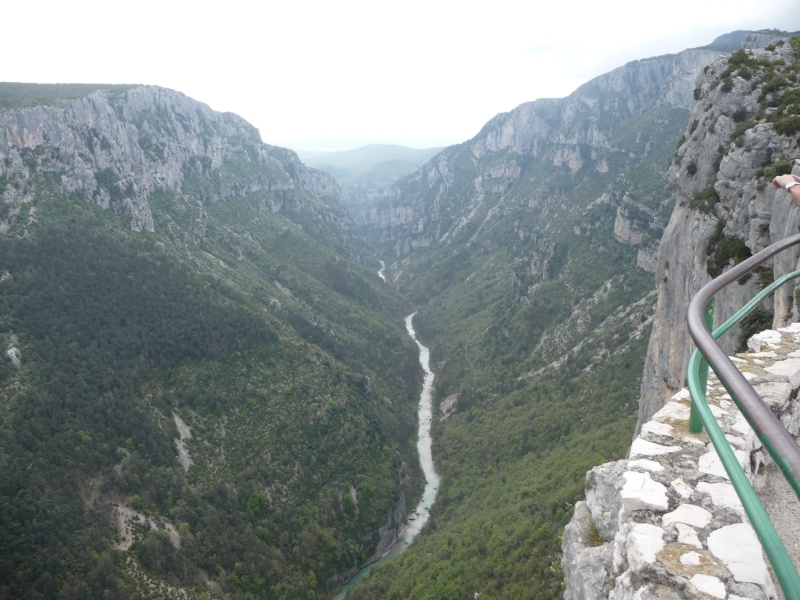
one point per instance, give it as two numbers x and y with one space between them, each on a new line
666 523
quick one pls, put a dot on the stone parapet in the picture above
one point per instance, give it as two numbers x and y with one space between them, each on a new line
666 523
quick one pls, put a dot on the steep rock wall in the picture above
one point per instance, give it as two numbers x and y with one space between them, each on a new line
580 132
116 147
721 175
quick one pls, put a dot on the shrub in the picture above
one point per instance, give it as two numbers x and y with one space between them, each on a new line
704 200
779 167
757 320
788 125
740 115
691 168
723 250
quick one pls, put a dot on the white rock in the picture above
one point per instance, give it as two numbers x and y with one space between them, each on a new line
657 428
722 494
711 464
14 355
645 464
775 393
682 394
687 535
789 368
741 425
690 559
689 514
693 441
791 328
673 410
769 354
709 585
716 411
738 443
641 492
644 542
684 489
641 447
765 339
737 546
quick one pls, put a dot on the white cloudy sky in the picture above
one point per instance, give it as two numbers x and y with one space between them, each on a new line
417 72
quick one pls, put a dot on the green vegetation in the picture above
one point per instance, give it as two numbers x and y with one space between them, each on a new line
704 200
723 251
526 307
288 361
755 321
21 95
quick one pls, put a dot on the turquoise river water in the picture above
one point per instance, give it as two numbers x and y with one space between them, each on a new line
417 520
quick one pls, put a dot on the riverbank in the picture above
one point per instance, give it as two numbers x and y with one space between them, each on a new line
420 516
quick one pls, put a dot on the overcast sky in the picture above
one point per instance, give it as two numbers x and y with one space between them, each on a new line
418 72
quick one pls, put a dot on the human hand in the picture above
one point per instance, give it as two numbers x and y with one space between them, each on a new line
781 180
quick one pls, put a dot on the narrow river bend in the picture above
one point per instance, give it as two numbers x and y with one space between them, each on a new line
417 520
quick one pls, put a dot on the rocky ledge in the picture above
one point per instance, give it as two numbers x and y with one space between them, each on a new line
666 523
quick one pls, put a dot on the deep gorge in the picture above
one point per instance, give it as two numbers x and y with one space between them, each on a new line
170 283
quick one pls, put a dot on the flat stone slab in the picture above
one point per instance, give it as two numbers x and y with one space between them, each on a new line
641 447
644 542
641 492
738 548
789 368
689 514
709 584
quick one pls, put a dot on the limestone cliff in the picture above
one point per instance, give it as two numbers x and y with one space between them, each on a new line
117 146
582 132
741 133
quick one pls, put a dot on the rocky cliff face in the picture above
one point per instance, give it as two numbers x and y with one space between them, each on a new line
577 133
741 133
117 147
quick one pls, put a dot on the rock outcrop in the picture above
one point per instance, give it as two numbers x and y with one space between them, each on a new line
116 147
725 207
579 132
666 523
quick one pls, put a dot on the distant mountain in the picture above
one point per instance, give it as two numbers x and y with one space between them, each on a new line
366 174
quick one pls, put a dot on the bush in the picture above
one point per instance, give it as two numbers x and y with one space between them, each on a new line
779 167
755 321
723 251
788 125
704 200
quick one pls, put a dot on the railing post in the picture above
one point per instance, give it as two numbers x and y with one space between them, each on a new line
695 424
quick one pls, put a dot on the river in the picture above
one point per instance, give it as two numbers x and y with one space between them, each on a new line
417 519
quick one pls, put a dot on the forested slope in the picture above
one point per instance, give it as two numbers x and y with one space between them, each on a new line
531 250
203 391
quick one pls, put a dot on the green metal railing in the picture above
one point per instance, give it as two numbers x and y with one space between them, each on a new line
778 442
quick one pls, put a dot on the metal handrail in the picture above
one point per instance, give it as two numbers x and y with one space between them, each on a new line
780 444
